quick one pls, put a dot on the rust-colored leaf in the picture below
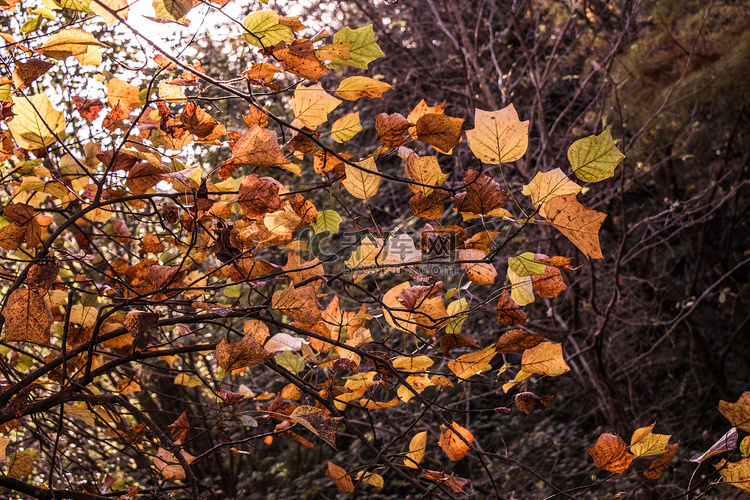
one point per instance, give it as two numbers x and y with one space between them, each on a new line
391 128
439 131
197 121
258 147
508 312
430 207
343 481
452 443
610 453
42 274
28 71
297 303
243 353
578 223
27 317
518 340
169 466
549 285
528 402
483 194
139 322
258 196
180 428
479 273
439 240
657 466
451 340
299 58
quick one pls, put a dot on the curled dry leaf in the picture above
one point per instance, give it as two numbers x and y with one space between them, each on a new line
518 340
180 428
452 443
657 466
453 482
727 442
483 194
528 402
315 421
391 128
243 353
610 453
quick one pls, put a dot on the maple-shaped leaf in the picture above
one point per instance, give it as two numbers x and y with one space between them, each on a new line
89 109
298 270
578 223
258 147
551 284
27 317
727 443
735 473
68 42
518 340
363 49
547 185
473 363
26 72
454 446
483 194
297 303
300 59
258 196
424 170
508 312
169 466
498 136
264 72
312 104
594 158
610 453
243 353
264 29
313 419
644 443
544 359
346 127
362 182
419 111
737 413
529 402
180 428
439 131
417 447
197 121
37 123
118 90
657 466
390 129
343 480
478 271
354 87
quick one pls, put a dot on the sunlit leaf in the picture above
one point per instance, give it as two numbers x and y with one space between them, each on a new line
354 87
473 363
37 123
544 359
346 127
264 29
362 182
737 413
363 50
610 453
498 136
68 42
340 477
454 443
736 473
578 223
312 104
644 443
417 447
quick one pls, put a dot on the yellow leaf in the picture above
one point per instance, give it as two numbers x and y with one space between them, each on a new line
119 6
264 29
36 123
520 377
471 364
498 136
522 288
363 182
417 383
479 273
736 473
92 56
312 104
412 363
68 42
371 478
547 185
3 445
578 223
417 447
284 221
644 443
171 93
737 413
346 127
424 170
354 87
544 359
118 90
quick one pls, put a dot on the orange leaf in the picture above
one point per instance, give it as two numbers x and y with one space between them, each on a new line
518 340
453 446
508 312
610 453
27 317
258 147
391 128
245 352
578 223
343 481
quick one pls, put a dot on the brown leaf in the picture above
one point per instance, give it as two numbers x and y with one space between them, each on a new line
451 340
453 445
479 273
455 483
121 232
657 466
168 465
508 312
143 176
297 303
139 322
737 413
439 131
298 270
440 240
430 207
315 421
264 72
610 453
241 354
150 244
27 317
414 296
340 477
180 428
42 274
197 121
391 128
258 196
518 340
299 58
578 223
528 402
169 276
28 71
483 194
419 111
89 109
549 285
258 147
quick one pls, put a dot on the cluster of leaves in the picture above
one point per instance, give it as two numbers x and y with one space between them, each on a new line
123 258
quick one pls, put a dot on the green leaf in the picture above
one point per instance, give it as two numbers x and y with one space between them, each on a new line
79 5
745 446
291 361
265 30
364 48
594 158
328 220
346 127
524 265
172 10
31 25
